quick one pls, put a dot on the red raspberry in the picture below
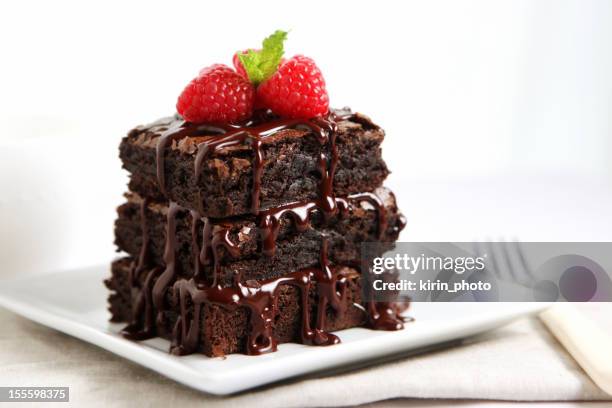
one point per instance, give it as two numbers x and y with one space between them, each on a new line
296 90
218 94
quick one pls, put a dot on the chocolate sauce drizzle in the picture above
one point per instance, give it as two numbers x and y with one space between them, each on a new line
137 330
301 214
260 298
254 134
169 274
213 238
138 267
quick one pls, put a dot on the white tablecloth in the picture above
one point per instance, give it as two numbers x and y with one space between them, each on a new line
518 362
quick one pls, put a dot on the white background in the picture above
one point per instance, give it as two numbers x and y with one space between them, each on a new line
497 112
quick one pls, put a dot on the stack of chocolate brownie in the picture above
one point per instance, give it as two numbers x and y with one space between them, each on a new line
240 237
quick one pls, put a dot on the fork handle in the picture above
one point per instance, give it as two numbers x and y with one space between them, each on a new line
587 343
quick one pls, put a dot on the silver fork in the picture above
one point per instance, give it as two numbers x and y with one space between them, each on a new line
584 340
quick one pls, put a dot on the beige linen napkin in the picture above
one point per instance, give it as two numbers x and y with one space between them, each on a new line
518 362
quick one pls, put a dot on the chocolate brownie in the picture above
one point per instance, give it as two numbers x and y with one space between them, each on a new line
223 171
228 328
241 236
240 253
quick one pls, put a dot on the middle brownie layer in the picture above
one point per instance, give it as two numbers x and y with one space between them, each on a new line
275 243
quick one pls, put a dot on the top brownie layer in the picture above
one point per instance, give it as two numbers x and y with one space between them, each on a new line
228 171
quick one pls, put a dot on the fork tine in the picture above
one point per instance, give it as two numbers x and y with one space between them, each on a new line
485 273
508 261
478 252
522 273
476 248
498 272
523 261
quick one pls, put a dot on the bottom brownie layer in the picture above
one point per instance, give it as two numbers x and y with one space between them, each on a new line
220 328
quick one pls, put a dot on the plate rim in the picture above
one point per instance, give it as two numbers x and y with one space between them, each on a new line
218 383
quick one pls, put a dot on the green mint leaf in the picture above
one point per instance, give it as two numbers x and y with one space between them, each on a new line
262 64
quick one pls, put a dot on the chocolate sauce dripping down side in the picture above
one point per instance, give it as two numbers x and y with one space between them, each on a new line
152 295
177 130
214 237
141 262
327 167
196 218
258 166
269 222
170 272
142 305
204 256
221 239
207 253
262 302
378 205
402 222
237 135
383 316
327 295
301 215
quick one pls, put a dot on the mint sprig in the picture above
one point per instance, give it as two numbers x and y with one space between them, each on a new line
262 64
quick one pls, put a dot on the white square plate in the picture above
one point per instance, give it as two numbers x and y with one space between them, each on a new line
74 302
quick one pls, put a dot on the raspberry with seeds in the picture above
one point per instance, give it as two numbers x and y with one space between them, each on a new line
295 90
218 95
